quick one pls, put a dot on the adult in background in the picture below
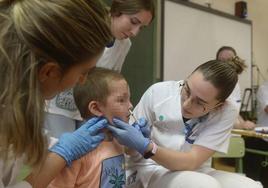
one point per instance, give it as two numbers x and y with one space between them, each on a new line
227 53
256 166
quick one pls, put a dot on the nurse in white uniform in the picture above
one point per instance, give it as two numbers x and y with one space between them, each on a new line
128 17
190 120
262 97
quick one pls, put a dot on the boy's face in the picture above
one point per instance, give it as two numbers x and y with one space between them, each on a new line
118 101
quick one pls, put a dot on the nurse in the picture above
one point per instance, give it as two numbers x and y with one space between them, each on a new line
189 120
128 18
254 165
262 98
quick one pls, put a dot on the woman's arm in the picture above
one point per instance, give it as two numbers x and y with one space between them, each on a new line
177 160
71 146
40 178
240 123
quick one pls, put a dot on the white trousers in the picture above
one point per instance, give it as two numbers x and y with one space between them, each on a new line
191 179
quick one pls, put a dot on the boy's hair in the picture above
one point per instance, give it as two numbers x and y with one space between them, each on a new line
96 88
32 33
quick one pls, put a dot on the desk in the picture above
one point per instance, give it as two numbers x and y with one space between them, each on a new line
250 133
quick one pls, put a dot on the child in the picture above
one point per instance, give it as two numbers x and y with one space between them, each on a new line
105 93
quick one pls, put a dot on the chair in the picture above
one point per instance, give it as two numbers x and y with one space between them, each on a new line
236 150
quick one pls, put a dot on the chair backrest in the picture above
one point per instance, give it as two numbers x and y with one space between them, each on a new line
236 148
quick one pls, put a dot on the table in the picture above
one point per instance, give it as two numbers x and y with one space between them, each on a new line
251 133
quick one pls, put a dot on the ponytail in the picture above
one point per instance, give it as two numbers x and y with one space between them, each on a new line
238 64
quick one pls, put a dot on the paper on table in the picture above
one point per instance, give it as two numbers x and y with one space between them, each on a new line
262 130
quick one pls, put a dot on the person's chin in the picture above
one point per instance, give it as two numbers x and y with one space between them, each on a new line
186 114
49 97
123 36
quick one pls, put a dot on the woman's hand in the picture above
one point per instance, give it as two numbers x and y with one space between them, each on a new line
143 126
72 146
129 136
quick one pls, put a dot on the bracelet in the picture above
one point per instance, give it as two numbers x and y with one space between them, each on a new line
151 153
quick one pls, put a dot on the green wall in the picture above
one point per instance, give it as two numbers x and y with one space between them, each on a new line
140 68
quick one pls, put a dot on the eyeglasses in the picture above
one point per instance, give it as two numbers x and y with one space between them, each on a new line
196 102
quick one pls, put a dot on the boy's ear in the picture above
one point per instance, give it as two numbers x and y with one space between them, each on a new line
94 108
49 70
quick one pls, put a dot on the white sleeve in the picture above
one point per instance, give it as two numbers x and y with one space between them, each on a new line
114 57
216 132
235 97
122 56
262 96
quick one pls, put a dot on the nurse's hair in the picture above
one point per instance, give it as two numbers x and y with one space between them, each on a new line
95 88
119 7
222 75
225 48
32 33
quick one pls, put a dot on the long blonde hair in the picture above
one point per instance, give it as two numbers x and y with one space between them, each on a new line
33 32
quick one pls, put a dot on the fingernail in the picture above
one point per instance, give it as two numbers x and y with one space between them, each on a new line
115 119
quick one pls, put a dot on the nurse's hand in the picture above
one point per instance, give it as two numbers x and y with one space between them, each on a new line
72 146
129 136
143 126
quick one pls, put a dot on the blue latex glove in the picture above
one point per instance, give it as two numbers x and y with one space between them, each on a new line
143 126
129 136
72 146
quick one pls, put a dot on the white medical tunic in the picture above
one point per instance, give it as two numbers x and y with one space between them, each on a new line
235 97
262 97
161 105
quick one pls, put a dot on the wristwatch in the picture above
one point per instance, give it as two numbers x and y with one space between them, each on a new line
151 153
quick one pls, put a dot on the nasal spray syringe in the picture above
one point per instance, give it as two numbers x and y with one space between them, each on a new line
133 116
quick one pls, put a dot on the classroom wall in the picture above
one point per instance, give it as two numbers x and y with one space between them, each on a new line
257 13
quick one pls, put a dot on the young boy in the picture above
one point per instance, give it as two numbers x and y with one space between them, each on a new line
105 93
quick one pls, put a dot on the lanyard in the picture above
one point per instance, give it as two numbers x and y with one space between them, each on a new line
191 128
